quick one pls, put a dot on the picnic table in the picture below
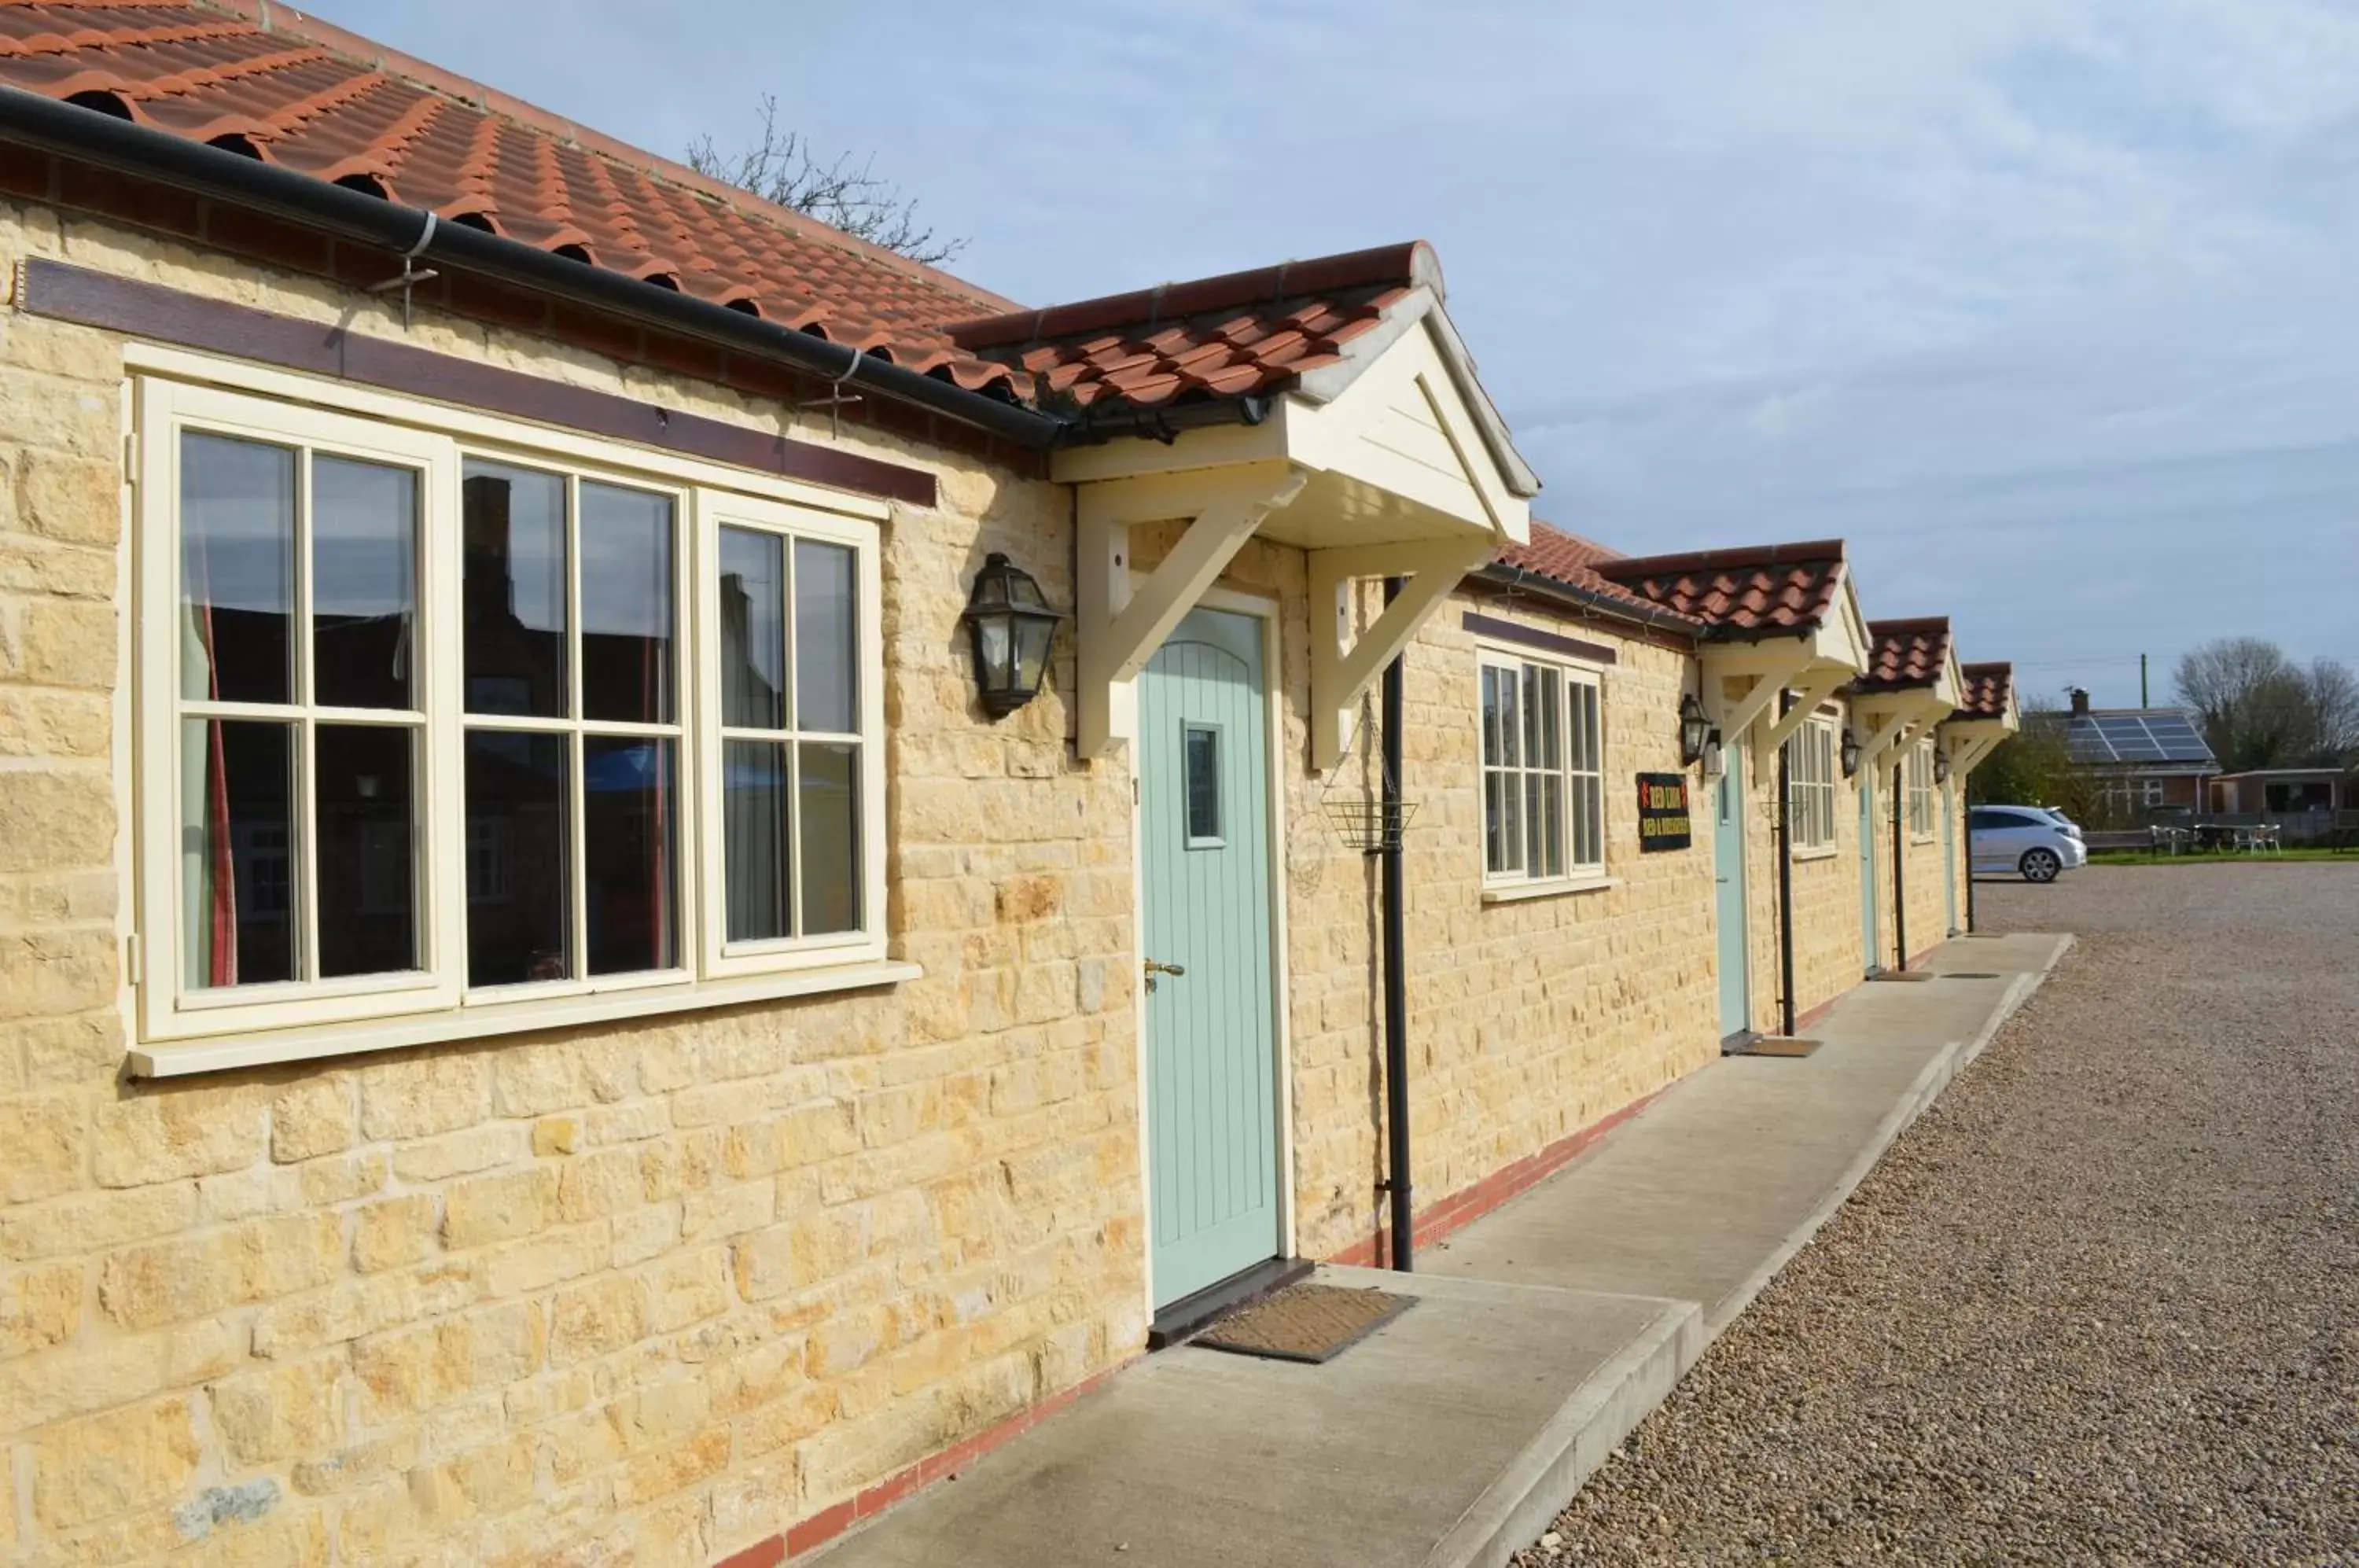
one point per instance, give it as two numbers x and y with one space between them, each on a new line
2259 838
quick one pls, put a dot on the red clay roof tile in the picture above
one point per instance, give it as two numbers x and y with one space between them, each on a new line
1571 561
1751 592
1989 689
1905 653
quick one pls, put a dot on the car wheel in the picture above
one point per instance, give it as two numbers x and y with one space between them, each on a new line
2040 865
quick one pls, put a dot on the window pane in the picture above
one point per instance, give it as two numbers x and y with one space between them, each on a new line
364 583
1492 699
368 856
1552 826
1494 826
752 629
515 617
1511 750
754 823
828 801
630 806
1550 750
237 848
237 570
1203 766
626 643
1511 817
518 857
826 628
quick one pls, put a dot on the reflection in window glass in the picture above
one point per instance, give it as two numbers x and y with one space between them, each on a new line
238 838
752 629
518 857
364 583
237 570
515 576
627 605
1201 761
756 826
368 866
828 799
826 628
629 809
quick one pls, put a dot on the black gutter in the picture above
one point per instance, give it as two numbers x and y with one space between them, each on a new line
90 136
1785 883
1521 578
1395 963
1899 877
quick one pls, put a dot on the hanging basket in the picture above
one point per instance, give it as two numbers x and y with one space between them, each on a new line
1356 811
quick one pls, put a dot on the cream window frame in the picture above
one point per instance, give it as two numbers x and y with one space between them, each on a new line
1573 678
1920 776
1810 787
187 1027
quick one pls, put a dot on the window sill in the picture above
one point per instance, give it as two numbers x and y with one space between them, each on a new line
1516 892
272 1046
1823 852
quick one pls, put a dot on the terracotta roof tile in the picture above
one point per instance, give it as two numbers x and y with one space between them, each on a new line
1755 591
323 102
1571 561
1235 335
1905 653
1989 689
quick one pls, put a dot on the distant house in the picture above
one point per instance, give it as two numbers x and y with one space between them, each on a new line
2143 759
2284 791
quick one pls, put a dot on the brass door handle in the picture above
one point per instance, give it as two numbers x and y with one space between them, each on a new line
1153 969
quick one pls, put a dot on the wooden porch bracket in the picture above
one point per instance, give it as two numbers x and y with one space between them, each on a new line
1826 685
1734 719
1342 667
1118 626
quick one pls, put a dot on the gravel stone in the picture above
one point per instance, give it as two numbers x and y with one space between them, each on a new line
2100 1305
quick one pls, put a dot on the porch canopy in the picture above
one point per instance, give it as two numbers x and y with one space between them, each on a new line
1986 715
1913 682
1327 405
1776 617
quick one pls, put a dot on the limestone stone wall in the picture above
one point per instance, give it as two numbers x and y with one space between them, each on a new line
647 1292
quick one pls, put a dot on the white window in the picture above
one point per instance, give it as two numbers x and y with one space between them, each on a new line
1921 790
1811 785
1543 771
442 724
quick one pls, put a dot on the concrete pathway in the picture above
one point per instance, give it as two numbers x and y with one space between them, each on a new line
1542 1333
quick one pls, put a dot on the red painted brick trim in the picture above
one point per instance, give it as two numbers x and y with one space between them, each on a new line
1462 1207
1822 1009
808 1535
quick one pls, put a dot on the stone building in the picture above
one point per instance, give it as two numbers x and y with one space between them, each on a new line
559 1003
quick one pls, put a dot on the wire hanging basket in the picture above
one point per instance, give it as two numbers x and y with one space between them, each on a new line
1355 807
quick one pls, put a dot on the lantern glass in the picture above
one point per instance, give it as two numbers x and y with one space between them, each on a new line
1850 753
1693 730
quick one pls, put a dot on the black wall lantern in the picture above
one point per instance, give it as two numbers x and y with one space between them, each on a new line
1849 752
1694 729
1012 626
1940 766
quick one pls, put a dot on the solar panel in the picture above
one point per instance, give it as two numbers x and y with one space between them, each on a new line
2163 736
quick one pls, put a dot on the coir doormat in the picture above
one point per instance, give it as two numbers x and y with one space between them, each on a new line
1775 1045
1305 1323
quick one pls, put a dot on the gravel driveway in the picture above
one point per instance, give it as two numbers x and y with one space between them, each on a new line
2100 1305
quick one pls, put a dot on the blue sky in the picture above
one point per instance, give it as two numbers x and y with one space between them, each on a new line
2046 305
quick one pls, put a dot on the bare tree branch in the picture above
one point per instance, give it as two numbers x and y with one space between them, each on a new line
2259 709
780 166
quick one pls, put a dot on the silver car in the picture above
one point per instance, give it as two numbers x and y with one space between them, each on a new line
2034 842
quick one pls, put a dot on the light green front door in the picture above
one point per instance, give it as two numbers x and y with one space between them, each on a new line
1211 1047
1728 904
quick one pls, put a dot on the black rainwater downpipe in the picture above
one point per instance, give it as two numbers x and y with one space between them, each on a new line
1967 828
1785 884
1395 963
1899 877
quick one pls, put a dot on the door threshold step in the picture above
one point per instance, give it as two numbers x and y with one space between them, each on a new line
1193 1314
1902 974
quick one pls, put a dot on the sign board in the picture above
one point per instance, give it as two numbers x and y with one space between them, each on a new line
1662 812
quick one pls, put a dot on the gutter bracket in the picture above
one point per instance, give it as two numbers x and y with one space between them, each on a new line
411 274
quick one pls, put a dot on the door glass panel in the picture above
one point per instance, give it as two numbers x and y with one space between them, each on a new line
515 592
1201 762
519 857
826 628
827 802
630 805
364 585
237 570
367 857
755 824
238 850
627 605
753 630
